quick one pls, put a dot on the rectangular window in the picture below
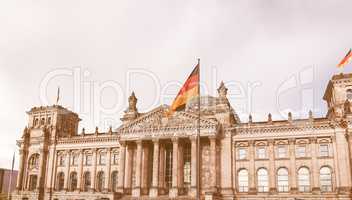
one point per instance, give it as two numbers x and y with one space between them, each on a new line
115 159
261 152
61 161
74 160
324 150
301 151
242 153
102 159
88 160
281 152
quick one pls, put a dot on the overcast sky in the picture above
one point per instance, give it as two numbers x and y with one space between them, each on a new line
274 55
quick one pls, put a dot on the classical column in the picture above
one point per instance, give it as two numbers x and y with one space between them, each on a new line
315 167
174 190
293 174
20 169
194 172
252 172
42 169
128 169
180 167
80 169
154 190
145 168
136 192
108 171
67 169
213 163
272 174
94 174
336 162
344 168
120 182
162 169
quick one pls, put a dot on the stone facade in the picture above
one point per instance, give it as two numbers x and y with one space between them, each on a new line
152 156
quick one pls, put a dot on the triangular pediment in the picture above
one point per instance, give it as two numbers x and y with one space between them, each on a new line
157 119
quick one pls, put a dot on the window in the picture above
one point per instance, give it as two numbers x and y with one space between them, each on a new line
187 165
261 153
34 161
60 181
102 158
242 153
74 161
281 152
61 160
88 159
115 158
349 94
301 151
42 121
325 179
263 180
32 182
36 122
73 180
243 180
282 180
303 179
324 150
114 180
100 181
87 181
49 120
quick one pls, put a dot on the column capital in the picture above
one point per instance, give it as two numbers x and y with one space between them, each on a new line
156 140
313 140
122 143
292 140
174 139
139 142
193 138
212 137
251 142
271 142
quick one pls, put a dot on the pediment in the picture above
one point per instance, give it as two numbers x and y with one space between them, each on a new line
158 120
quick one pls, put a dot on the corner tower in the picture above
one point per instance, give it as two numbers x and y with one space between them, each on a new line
337 93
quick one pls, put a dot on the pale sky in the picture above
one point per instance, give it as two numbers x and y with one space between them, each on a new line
274 55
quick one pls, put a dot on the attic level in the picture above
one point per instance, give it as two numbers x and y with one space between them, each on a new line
337 93
64 121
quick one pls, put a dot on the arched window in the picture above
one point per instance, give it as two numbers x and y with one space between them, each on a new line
243 180
36 122
325 179
262 180
114 179
282 180
60 181
34 161
42 121
32 182
87 181
100 181
303 179
73 181
349 94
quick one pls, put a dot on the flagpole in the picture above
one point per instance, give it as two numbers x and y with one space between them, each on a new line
198 137
10 182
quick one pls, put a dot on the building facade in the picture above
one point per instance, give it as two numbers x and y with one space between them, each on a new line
153 156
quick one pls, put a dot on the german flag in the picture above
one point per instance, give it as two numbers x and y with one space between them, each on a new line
346 59
189 90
